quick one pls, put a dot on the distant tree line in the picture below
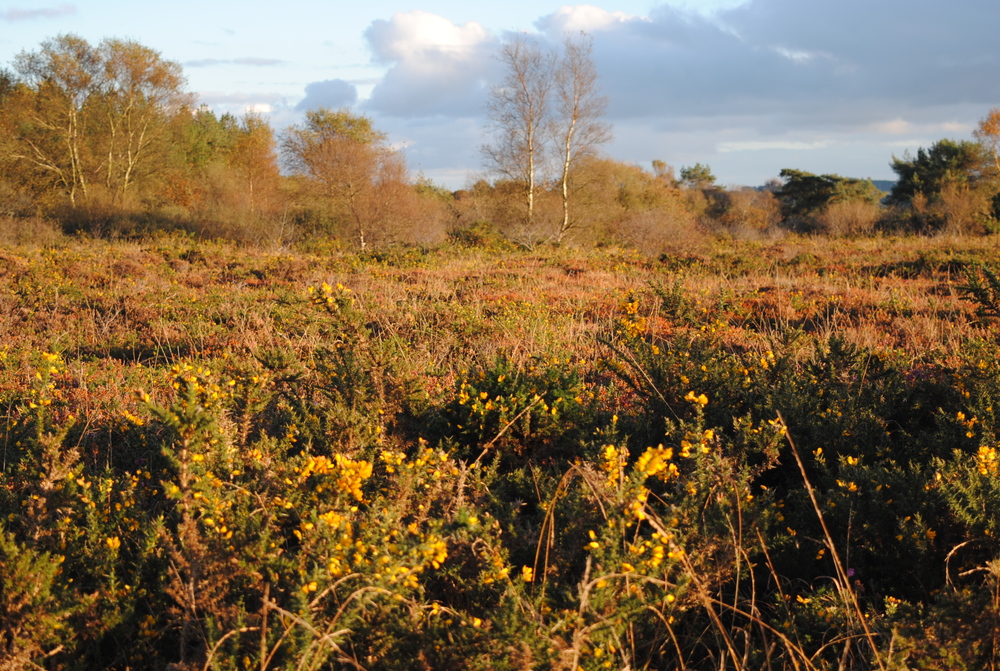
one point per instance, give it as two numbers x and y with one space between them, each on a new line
105 140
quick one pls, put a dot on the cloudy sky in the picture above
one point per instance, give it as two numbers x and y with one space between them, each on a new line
746 87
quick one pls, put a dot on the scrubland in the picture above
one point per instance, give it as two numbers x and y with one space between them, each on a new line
737 455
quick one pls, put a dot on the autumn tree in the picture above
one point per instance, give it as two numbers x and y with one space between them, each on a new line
354 168
748 212
254 159
547 106
89 115
579 124
137 92
988 135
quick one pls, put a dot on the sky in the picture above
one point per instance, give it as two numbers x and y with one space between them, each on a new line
748 88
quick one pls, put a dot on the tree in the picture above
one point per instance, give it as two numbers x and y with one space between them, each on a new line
93 114
804 194
581 108
950 185
664 171
946 164
518 111
988 135
138 92
354 168
61 77
698 177
255 162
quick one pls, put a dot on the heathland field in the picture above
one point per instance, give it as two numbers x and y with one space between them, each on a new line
737 455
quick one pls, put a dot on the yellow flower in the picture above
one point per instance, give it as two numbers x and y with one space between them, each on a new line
700 399
986 461
114 542
654 460
527 574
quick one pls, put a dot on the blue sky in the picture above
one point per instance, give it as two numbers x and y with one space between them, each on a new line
748 87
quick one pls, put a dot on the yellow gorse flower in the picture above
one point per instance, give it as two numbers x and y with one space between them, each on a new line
352 475
986 460
699 399
656 461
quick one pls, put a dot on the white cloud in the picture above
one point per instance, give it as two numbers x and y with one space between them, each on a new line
909 144
957 127
239 103
586 18
436 66
897 126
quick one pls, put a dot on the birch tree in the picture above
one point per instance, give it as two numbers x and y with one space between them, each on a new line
547 106
579 127
61 76
138 91
91 114
518 112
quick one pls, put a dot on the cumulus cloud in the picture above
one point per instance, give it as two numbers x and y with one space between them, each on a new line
333 93
585 18
435 66
852 61
15 14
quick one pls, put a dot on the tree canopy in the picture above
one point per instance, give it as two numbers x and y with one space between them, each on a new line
946 163
806 194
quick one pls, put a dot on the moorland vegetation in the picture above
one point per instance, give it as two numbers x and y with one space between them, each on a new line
336 418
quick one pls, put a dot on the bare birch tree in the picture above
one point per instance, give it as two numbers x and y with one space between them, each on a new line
518 111
579 124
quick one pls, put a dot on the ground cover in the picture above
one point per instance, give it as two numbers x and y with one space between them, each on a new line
738 455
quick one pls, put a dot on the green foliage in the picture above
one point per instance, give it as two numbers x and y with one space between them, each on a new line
697 176
536 414
32 616
804 194
324 124
947 162
983 289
